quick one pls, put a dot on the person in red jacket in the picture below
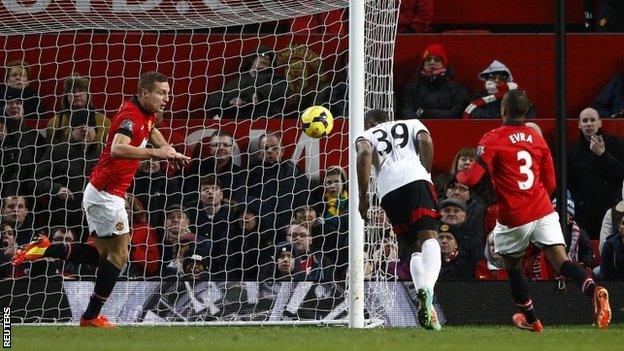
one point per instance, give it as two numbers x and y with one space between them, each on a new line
521 167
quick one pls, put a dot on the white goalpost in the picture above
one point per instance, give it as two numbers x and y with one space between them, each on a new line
252 231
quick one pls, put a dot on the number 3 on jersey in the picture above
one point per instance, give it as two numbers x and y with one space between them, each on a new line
525 169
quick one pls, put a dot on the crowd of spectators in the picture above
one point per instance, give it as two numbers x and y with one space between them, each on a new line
267 219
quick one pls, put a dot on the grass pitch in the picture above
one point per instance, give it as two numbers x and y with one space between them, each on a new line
481 338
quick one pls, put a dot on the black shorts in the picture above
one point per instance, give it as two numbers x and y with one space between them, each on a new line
412 208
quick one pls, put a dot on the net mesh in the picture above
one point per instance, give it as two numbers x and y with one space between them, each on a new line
255 228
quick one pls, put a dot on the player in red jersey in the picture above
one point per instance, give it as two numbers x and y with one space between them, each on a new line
103 201
521 167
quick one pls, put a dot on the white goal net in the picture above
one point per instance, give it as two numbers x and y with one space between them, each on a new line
255 229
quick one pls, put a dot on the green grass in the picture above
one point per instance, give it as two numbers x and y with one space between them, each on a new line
480 338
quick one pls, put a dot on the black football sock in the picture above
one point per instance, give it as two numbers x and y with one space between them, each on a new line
105 282
580 276
520 294
75 252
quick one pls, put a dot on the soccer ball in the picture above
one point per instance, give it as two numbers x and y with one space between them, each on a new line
317 121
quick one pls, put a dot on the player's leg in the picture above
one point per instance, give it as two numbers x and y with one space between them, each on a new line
43 248
425 269
549 237
510 243
525 318
113 256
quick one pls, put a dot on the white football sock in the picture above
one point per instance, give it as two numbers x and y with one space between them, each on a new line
417 270
431 262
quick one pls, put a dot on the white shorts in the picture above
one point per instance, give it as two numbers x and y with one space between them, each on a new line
106 213
545 231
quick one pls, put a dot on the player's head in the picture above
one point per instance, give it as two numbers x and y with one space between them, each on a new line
589 122
153 91
515 105
374 117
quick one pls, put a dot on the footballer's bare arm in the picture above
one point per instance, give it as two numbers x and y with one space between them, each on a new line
364 162
425 149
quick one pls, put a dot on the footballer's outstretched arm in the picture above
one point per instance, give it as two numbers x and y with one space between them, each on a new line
121 148
425 149
157 139
364 162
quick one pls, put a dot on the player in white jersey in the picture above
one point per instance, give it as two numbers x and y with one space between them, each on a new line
402 153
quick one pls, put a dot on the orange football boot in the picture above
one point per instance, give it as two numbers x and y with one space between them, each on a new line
98 322
519 320
31 252
602 309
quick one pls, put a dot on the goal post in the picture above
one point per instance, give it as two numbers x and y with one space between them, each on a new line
356 126
225 104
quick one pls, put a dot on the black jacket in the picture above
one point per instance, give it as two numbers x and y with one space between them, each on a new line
595 181
439 98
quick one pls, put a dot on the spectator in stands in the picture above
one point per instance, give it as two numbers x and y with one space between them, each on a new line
219 161
301 239
612 256
578 245
7 237
453 219
21 147
18 79
280 185
155 190
455 264
195 262
63 169
284 266
258 91
595 172
433 94
486 104
613 215
76 102
475 211
329 244
610 102
144 249
610 16
462 159
177 234
16 213
213 219
251 240
335 205
492 266
415 16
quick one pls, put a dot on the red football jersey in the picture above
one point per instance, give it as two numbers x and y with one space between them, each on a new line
521 167
114 175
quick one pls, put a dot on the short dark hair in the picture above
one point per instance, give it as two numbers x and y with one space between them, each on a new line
148 80
516 103
209 180
374 117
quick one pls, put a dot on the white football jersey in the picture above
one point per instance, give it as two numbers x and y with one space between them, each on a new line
398 159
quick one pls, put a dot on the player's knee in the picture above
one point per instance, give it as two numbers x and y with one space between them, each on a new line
118 257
